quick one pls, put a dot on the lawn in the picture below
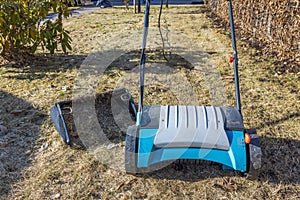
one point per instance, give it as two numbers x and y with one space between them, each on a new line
35 163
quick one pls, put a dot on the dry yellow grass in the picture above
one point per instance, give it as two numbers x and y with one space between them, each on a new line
41 167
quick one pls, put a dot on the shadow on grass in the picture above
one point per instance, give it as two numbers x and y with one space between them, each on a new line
23 122
21 118
40 66
272 123
130 60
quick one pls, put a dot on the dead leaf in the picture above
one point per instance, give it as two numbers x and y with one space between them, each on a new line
127 183
227 185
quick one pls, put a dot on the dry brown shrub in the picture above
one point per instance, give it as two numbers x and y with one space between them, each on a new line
270 25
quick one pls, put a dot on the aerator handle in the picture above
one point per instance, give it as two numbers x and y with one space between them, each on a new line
235 57
142 63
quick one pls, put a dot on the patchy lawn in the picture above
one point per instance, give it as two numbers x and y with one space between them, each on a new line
35 164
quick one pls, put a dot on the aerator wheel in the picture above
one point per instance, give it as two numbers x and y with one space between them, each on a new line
254 155
131 150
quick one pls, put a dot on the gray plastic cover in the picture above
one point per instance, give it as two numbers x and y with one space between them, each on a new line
191 126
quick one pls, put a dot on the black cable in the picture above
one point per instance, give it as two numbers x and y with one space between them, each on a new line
162 38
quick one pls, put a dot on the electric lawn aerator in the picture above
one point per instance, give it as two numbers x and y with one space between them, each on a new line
167 133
